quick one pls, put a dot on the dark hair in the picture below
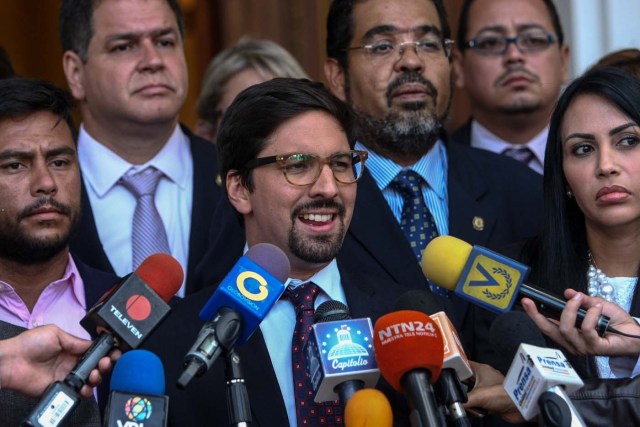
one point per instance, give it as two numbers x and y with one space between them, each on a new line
559 256
6 69
22 96
463 22
340 28
625 59
260 109
76 24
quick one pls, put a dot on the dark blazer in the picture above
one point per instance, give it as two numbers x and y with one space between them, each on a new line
204 400
462 135
86 242
14 406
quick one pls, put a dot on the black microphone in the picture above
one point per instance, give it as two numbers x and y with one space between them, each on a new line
137 392
236 308
448 388
123 318
490 280
507 332
338 359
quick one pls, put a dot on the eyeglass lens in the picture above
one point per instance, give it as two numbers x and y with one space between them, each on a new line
304 169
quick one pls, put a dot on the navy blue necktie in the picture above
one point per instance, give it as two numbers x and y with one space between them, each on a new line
521 154
416 220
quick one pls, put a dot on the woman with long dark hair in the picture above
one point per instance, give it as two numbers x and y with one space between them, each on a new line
591 236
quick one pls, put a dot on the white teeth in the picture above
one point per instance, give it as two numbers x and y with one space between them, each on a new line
318 217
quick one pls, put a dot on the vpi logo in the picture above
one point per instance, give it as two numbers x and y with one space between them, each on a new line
348 346
137 409
246 278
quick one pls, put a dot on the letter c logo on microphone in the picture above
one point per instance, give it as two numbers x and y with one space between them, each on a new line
247 275
138 307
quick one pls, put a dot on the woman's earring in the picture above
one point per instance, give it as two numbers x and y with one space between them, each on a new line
569 194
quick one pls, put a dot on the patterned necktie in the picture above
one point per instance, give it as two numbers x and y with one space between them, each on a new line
148 235
416 220
308 412
521 154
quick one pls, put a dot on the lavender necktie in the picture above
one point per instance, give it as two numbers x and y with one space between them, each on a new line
148 235
521 154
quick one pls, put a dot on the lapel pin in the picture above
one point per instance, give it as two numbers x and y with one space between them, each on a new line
478 223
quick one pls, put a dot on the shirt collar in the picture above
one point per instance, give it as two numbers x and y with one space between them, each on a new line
102 168
431 167
481 137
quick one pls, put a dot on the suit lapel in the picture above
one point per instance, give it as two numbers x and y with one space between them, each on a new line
85 242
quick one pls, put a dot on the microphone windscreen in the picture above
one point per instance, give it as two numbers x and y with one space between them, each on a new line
330 311
271 258
162 273
444 259
404 341
138 372
508 331
418 300
368 407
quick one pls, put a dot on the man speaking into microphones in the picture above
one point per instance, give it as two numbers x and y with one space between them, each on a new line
290 175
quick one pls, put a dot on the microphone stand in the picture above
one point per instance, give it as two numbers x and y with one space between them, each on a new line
238 407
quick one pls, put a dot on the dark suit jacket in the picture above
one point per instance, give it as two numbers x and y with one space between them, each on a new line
86 242
462 135
14 406
204 400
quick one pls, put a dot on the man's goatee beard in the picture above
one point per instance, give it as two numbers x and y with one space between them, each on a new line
410 134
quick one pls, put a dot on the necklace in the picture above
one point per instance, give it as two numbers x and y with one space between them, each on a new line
599 285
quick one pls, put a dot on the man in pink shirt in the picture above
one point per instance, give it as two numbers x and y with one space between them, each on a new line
40 283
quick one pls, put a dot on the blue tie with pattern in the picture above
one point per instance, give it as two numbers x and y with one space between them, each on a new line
416 220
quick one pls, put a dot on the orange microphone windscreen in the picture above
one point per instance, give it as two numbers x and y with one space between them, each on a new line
163 273
443 260
368 407
407 340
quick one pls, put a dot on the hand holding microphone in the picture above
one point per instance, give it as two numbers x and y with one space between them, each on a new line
585 340
490 280
123 318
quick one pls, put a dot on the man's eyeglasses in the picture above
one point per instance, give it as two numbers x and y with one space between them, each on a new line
427 47
303 169
498 45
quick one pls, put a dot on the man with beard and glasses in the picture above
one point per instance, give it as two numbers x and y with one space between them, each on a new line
40 282
390 60
511 60
289 171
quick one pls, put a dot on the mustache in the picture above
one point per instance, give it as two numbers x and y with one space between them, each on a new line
517 69
410 77
44 201
319 204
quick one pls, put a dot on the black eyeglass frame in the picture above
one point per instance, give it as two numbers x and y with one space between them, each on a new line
473 44
281 160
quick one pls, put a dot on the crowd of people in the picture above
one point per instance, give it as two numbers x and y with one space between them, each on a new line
544 174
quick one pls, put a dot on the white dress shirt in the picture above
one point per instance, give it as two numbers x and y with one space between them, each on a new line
482 138
113 205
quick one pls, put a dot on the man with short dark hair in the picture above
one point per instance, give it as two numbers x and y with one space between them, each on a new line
40 282
390 60
511 60
290 172
149 185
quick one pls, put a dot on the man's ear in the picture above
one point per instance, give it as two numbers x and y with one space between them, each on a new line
237 193
457 67
335 76
74 72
